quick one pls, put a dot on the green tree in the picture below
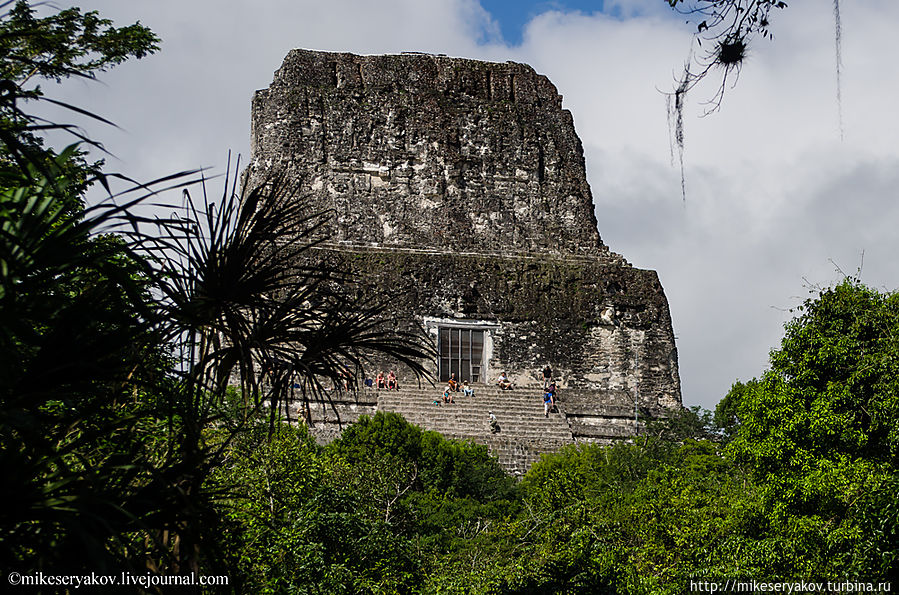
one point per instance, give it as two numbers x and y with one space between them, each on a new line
727 416
293 523
831 391
455 469
629 518
820 432
684 423
74 440
33 50
116 350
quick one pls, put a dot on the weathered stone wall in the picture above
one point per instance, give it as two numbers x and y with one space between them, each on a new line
428 151
458 188
602 327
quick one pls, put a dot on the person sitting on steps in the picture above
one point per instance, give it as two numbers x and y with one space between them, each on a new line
467 390
379 381
503 382
453 383
448 395
391 381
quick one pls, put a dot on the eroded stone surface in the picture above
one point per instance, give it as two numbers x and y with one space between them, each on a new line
429 151
460 186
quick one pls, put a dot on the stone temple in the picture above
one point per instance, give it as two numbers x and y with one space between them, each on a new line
461 186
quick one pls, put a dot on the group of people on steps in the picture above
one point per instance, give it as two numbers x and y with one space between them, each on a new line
454 386
503 382
390 382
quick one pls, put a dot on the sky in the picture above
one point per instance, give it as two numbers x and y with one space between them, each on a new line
778 203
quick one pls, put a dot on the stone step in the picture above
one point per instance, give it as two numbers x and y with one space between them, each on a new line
513 395
425 407
509 426
550 424
463 405
479 389
532 411
554 426
533 422
571 404
603 255
506 429
605 430
525 433
478 398
517 457
427 402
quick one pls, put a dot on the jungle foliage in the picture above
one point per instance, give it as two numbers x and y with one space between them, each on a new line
793 478
120 333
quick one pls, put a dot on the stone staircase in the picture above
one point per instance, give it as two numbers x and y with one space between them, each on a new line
524 433
519 412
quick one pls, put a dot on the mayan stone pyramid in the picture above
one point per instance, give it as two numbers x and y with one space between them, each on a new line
462 185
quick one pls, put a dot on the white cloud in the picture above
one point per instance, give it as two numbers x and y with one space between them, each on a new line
189 104
772 193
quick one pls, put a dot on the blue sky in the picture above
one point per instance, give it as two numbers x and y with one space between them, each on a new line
513 15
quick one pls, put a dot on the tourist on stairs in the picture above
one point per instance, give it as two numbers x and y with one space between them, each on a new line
448 395
548 403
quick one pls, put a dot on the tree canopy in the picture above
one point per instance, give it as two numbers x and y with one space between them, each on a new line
119 333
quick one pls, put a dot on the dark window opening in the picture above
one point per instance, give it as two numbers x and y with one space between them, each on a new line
461 352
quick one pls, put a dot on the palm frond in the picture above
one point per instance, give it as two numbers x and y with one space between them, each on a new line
244 299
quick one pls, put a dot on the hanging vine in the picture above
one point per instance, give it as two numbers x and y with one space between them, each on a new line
723 37
675 105
838 42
